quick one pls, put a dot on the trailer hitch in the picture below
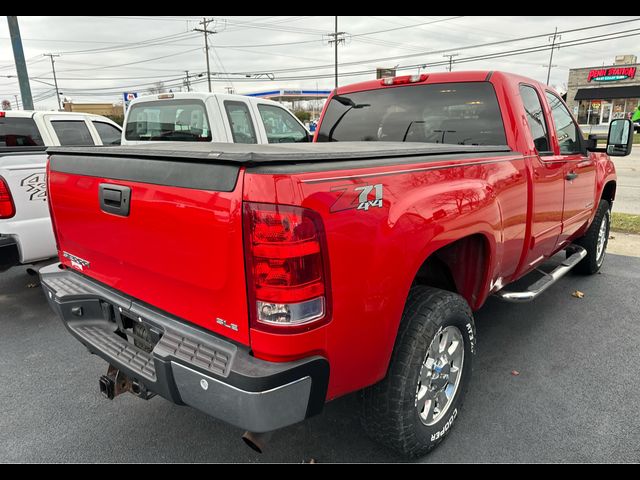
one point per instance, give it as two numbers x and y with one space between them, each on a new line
115 383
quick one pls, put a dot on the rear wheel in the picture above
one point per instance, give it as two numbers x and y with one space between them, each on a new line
595 241
414 407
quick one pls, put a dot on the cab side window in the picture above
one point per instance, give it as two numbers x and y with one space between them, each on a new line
535 119
280 125
240 121
109 134
566 130
72 132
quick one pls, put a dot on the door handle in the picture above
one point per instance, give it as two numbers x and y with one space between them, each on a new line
571 176
115 199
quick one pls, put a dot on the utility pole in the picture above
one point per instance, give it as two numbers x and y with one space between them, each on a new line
187 83
21 65
17 103
337 38
450 55
55 80
553 47
205 23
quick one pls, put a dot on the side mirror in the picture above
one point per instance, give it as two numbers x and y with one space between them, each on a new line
620 138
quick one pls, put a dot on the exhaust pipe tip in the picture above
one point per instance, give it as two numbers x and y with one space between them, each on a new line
256 441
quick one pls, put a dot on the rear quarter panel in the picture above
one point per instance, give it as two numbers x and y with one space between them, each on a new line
374 254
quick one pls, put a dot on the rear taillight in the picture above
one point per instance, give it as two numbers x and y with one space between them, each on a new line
286 270
7 208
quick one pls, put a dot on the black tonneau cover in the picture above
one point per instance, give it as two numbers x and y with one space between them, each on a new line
18 150
242 154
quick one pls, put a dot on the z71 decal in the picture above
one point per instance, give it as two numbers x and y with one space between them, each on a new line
362 197
36 185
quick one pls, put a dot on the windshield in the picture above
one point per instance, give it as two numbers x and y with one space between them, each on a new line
168 120
19 132
453 113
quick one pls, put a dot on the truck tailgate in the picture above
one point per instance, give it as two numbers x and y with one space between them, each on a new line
166 232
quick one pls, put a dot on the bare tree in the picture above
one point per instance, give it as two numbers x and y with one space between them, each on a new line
158 87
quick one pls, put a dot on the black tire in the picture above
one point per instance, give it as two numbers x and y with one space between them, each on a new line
389 413
589 241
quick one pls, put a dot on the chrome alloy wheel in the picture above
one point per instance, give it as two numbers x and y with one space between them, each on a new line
602 238
440 375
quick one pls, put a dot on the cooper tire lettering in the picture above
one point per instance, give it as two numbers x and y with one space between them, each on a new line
441 433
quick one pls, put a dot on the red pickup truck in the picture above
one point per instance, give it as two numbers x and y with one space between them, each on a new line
257 282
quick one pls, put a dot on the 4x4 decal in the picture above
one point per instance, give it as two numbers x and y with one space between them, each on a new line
36 185
361 197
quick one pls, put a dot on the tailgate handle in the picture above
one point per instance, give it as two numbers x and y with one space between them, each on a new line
115 199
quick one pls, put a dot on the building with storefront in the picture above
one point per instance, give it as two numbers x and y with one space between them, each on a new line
104 109
597 95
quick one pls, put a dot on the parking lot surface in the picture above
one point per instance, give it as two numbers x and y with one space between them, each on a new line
575 398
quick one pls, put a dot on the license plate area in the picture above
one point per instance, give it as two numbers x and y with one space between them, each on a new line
136 330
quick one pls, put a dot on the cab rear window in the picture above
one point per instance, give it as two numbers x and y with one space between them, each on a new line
452 113
168 120
19 132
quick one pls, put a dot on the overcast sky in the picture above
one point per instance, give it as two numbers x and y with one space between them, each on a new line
101 57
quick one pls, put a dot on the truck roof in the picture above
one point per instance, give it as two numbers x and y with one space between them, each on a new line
435 77
200 96
40 113
236 153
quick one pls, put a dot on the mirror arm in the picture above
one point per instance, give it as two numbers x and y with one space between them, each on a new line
591 144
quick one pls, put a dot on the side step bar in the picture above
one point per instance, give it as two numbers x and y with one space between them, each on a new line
577 253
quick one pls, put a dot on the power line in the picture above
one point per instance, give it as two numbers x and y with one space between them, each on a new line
407 26
151 42
458 49
524 50
131 63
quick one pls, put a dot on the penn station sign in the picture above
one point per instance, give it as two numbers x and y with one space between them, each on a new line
611 74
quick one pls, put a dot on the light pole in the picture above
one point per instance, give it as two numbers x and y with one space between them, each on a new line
21 64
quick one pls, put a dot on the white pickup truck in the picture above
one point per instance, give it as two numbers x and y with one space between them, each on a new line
210 117
26 235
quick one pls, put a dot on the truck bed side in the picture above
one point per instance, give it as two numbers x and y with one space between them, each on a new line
30 227
471 209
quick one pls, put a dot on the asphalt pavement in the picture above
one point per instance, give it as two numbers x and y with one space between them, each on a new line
576 397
